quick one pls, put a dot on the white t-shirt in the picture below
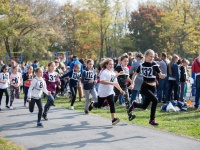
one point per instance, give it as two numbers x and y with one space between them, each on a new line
107 89
4 77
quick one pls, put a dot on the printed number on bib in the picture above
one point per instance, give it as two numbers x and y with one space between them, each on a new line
15 80
112 78
89 75
52 78
75 76
39 85
147 71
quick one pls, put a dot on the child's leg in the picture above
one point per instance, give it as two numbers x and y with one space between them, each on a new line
74 92
50 101
12 94
100 102
110 100
87 99
182 91
7 96
1 94
39 104
31 105
17 92
117 93
80 91
25 93
94 94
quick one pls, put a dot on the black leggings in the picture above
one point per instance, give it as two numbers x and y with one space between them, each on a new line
126 96
110 100
74 92
6 93
39 104
148 91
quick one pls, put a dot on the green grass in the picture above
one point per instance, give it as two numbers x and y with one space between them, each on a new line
183 123
8 145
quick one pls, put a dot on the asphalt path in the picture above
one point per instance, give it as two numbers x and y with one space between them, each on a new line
69 129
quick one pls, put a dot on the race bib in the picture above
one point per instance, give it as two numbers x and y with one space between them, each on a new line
15 80
75 76
39 85
52 77
147 71
5 77
89 75
112 78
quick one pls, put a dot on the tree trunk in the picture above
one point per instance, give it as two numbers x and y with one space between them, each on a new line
6 42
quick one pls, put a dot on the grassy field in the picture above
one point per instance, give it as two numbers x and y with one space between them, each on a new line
8 145
183 123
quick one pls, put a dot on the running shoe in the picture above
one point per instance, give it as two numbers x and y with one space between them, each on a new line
86 112
115 121
39 124
45 117
11 107
7 106
91 106
131 116
71 107
153 123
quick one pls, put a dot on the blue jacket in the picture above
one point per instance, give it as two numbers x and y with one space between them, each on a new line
86 76
175 72
74 62
74 77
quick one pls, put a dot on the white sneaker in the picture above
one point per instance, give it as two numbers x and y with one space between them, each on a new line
11 107
71 107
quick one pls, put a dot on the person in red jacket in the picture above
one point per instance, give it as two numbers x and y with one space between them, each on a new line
196 70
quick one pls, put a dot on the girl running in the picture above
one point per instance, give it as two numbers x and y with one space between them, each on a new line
52 81
37 87
15 83
89 79
148 69
108 81
122 73
4 81
28 76
75 76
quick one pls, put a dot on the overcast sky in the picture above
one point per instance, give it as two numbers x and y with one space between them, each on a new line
133 3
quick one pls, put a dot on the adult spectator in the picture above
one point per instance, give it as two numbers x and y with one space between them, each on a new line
196 70
139 78
130 59
74 62
162 90
156 58
35 64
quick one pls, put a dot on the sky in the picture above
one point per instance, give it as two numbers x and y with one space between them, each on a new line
133 3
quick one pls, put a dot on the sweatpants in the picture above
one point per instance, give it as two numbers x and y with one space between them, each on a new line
73 92
110 100
148 91
14 93
25 93
39 104
93 92
6 93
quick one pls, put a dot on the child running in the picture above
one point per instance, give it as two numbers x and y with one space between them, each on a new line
89 79
108 81
4 81
148 69
28 76
122 73
37 87
15 83
75 76
52 81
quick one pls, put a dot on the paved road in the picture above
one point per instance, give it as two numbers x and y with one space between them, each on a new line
67 130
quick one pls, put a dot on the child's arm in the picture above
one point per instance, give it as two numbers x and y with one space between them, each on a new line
33 83
66 75
44 89
83 79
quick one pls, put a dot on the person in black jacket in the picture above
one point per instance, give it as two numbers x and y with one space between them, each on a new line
183 78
